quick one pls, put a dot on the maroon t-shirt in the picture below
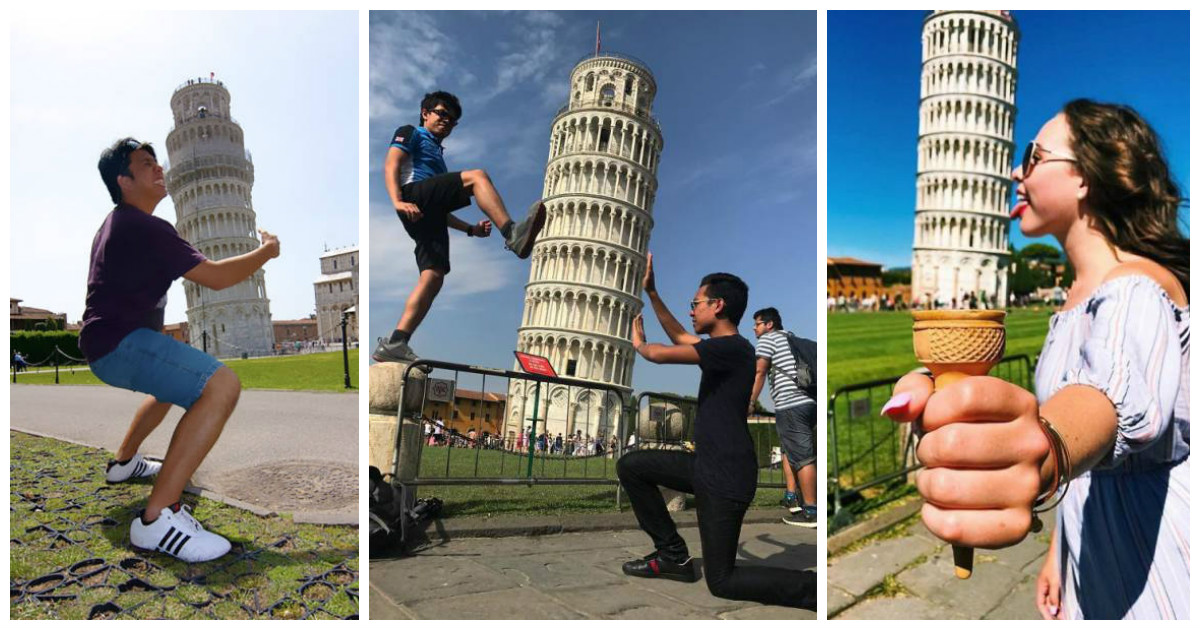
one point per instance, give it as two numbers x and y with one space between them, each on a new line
135 258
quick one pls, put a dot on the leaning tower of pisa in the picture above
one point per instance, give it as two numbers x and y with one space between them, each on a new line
209 176
585 279
964 156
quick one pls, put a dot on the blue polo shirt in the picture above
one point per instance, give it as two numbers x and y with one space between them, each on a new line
424 152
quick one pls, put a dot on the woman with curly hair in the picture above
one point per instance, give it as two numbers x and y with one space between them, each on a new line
1107 436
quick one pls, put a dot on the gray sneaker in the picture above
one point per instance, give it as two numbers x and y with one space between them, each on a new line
394 351
523 234
801 519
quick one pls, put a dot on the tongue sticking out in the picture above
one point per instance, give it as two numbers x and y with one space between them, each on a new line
1018 210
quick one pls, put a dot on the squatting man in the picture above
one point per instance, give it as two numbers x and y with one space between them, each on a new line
135 258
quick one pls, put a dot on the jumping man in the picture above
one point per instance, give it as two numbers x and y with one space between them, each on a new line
425 196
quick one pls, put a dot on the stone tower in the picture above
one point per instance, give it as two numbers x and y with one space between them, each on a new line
964 156
209 176
585 278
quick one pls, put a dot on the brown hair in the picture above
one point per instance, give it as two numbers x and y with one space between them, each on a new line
1134 199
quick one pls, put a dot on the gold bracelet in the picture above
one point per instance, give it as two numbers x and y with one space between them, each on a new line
1062 467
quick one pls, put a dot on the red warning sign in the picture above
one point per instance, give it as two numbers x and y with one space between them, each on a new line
534 364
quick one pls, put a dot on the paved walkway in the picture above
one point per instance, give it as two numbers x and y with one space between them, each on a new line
570 576
294 452
923 585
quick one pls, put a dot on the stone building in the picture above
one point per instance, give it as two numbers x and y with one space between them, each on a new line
965 154
209 175
337 290
585 278
289 332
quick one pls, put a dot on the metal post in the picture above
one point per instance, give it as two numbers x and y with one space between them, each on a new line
345 353
204 340
56 365
537 391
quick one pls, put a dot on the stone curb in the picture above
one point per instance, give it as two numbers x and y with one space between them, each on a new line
502 526
856 532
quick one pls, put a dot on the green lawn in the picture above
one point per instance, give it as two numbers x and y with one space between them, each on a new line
865 347
491 500
323 372
70 557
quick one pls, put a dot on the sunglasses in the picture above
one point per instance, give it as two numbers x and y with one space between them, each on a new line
1033 157
694 303
444 115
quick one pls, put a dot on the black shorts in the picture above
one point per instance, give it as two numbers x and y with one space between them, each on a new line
436 197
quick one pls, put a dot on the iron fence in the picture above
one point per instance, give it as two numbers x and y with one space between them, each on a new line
544 430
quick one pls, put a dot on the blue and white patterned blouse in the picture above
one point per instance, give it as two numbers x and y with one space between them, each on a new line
1123 526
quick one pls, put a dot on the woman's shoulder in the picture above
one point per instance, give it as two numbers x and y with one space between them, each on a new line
1143 270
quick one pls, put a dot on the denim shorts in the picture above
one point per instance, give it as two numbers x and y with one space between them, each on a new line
153 363
797 427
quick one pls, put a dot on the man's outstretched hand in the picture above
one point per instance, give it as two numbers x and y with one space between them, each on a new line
483 229
270 242
648 280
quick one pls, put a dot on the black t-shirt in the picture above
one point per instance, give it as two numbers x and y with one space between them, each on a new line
725 461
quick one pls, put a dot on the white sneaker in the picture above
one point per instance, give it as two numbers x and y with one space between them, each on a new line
178 533
136 467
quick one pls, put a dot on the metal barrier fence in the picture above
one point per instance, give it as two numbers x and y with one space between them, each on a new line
870 451
539 452
524 452
668 421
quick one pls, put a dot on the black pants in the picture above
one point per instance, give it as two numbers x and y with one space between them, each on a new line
720 521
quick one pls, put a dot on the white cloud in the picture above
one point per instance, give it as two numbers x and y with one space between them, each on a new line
405 62
477 265
793 80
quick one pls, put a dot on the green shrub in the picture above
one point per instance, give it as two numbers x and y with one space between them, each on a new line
38 346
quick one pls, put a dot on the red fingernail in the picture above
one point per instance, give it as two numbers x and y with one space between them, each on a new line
895 403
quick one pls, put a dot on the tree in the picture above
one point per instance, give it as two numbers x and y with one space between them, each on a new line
898 275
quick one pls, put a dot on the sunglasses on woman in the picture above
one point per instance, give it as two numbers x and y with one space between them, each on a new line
1033 157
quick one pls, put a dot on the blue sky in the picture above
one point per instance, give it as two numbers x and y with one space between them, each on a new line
80 80
737 182
1137 58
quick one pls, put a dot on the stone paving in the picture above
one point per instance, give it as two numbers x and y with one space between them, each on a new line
570 576
923 585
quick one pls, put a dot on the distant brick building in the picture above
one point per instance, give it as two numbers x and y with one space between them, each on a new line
853 279
482 411
293 330
28 317
178 332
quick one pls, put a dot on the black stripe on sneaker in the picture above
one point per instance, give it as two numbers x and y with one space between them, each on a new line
170 532
141 466
171 544
183 542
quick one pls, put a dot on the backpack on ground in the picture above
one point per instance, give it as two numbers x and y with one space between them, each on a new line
804 352
396 516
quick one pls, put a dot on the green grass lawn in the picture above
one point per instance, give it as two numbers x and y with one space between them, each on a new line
542 500
302 372
865 347
70 557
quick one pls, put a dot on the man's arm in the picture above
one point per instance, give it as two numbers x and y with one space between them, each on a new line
391 178
222 274
482 229
670 325
659 353
761 367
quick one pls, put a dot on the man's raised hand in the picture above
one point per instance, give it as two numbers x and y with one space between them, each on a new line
270 242
648 280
